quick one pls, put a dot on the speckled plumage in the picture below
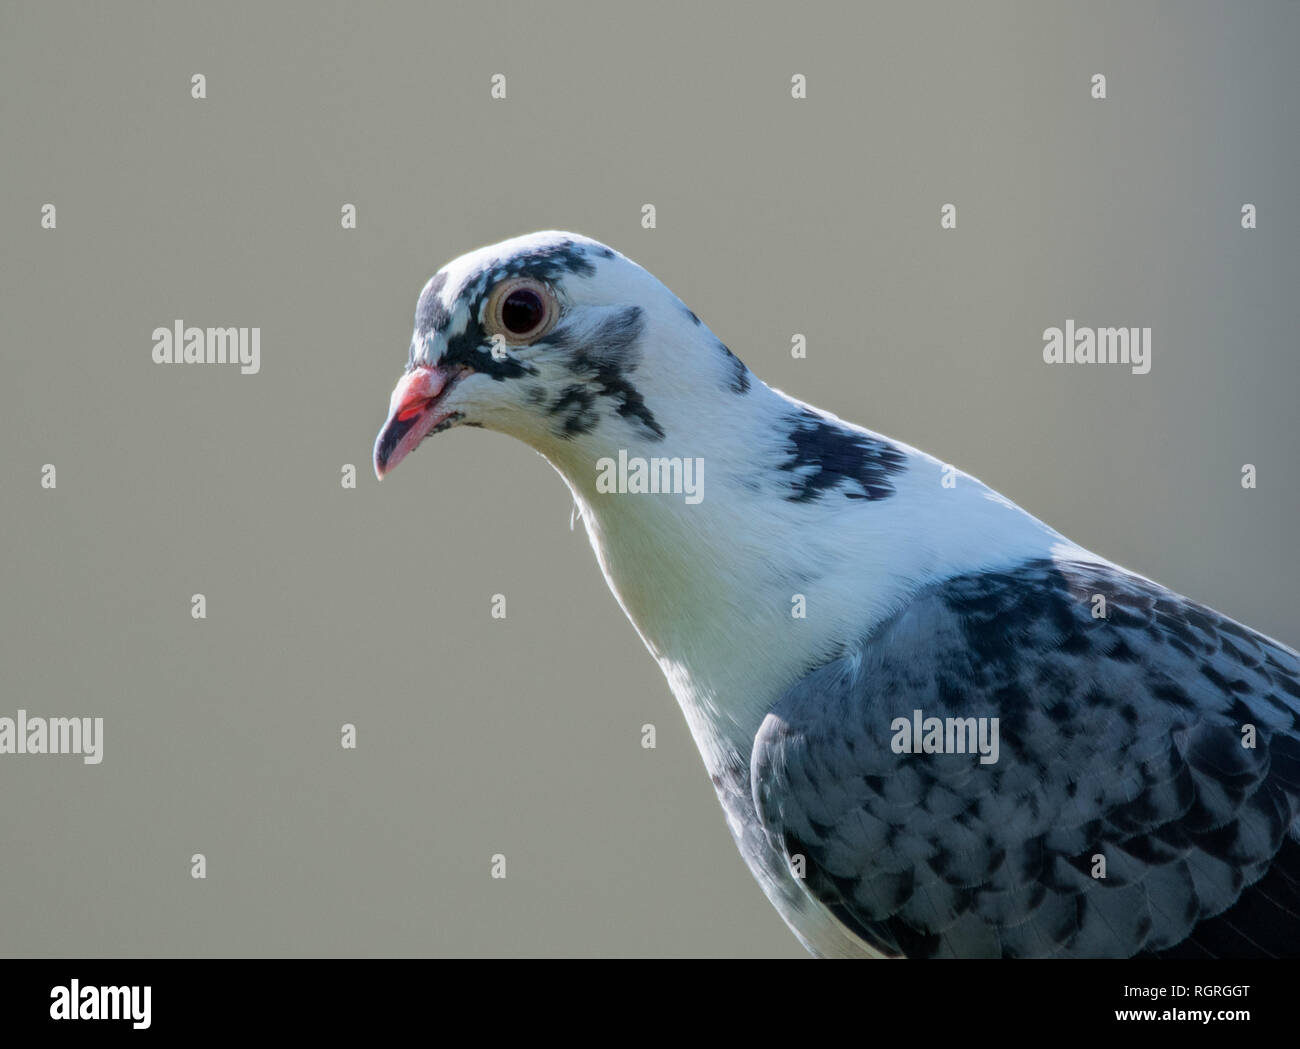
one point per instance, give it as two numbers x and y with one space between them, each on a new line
1121 737
831 580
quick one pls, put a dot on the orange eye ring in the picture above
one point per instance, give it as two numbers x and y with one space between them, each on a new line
521 310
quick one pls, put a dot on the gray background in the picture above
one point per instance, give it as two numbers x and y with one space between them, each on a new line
371 606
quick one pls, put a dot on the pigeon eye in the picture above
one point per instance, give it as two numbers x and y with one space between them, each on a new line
521 309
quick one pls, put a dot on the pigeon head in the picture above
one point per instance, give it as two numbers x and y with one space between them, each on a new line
559 341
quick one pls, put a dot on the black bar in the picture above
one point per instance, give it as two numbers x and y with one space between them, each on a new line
625 1000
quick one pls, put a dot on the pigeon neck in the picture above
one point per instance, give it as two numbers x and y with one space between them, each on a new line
808 533
714 573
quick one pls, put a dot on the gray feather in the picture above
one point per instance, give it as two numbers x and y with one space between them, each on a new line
1120 737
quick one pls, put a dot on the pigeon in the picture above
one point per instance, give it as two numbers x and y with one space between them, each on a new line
937 727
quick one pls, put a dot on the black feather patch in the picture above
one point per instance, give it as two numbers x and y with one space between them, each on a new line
602 363
430 313
739 382
825 456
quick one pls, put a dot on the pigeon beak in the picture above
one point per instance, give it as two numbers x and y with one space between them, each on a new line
413 413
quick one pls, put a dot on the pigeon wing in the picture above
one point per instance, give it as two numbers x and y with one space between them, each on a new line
1162 738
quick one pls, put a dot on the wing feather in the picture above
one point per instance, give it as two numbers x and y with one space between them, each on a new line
1120 737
